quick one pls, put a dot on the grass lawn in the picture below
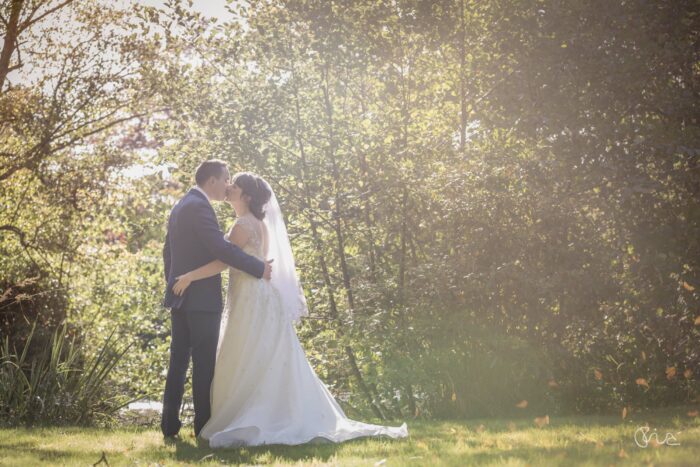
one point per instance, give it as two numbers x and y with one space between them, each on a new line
579 440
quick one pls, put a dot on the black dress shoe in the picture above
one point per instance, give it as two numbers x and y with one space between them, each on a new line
171 439
168 430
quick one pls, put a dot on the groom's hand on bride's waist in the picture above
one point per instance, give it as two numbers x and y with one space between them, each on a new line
267 273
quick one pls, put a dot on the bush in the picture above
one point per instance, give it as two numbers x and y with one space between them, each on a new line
59 385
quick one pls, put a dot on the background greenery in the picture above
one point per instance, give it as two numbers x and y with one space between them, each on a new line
493 205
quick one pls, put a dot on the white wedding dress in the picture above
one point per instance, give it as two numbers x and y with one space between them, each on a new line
264 389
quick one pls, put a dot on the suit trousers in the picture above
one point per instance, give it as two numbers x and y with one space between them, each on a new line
196 334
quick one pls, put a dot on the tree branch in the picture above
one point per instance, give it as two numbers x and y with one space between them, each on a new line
31 20
22 236
98 130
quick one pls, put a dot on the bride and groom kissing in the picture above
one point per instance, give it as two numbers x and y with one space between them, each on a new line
251 381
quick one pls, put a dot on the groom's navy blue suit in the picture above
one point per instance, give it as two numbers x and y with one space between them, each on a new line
193 240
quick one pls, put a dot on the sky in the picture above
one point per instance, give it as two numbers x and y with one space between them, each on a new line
210 8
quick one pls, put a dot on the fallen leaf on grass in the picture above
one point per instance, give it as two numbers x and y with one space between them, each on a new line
622 454
671 372
542 421
688 287
522 404
624 413
688 373
693 413
552 384
598 374
642 382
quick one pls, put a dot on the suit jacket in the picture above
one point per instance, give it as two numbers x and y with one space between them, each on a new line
193 240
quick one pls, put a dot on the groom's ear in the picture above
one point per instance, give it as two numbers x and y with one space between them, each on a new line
209 181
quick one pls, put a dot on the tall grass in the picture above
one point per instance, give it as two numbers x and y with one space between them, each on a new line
61 384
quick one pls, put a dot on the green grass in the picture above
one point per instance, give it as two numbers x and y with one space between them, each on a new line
579 440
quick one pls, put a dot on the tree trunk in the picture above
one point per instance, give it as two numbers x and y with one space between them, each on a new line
324 269
339 230
10 41
462 82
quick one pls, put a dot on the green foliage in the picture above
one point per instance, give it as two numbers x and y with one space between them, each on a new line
489 202
451 166
65 90
63 384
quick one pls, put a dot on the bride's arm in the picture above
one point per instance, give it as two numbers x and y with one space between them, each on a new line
238 236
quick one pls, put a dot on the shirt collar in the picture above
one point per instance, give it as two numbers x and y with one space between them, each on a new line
203 192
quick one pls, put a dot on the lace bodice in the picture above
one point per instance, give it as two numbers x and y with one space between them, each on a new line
255 229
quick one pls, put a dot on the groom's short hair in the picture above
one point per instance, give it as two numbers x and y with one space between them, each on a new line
208 169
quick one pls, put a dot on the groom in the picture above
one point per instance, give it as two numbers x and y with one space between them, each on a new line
193 240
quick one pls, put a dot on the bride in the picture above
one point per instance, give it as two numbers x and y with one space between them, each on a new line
264 389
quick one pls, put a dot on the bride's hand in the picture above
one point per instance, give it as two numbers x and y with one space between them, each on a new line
182 282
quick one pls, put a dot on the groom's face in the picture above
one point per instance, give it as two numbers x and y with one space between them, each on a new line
219 185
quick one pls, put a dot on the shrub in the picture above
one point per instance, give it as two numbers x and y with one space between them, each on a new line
61 384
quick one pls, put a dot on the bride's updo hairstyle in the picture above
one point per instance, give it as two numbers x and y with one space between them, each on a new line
253 186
